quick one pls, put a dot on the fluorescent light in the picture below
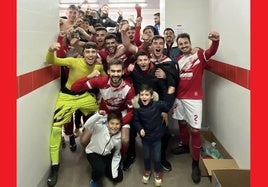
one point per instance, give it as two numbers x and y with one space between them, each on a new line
65 6
124 5
76 1
127 1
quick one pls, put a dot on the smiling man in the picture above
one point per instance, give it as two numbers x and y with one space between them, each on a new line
69 101
116 95
187 108
165 71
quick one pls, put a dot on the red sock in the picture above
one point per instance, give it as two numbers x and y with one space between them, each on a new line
196 144
184 134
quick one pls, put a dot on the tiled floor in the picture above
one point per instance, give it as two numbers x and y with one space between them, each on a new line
75 171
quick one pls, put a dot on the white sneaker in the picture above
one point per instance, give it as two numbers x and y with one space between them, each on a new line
158 179
146 177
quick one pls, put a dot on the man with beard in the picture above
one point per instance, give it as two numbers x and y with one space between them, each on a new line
69 101
187 108
116 95
114 50
171 51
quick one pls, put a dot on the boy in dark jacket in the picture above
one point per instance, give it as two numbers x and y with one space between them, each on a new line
147 120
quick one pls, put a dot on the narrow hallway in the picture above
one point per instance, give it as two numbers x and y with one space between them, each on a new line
75 170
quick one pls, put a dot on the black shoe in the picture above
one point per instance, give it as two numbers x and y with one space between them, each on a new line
53 176
73 145
166 165
196 174
181 149
127 162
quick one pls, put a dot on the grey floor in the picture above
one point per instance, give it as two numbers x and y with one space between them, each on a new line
75 170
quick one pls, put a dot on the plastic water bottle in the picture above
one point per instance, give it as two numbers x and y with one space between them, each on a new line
210 149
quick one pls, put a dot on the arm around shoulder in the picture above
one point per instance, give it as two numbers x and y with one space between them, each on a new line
80 85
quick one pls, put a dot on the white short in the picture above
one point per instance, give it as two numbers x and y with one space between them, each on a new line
188 110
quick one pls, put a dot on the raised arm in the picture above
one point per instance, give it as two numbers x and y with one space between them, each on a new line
50 57
215 38
126 41
137 31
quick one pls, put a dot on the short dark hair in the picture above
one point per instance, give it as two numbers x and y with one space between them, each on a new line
141 53
110 36
169 29
124 20
157 14
156 37
115 115
73 7
183 35
132 28
89 45
100 29
146 87
115 62
148 27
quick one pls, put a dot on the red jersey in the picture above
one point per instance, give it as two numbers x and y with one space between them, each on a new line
191 68
112 98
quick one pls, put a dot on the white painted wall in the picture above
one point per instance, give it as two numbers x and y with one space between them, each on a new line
232 19
191 14
226 104
37 27
230 103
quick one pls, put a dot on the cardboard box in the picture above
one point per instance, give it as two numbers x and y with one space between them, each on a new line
230 178
207 164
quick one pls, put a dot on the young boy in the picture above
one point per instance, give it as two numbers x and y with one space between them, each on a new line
147 120
103 150
115 95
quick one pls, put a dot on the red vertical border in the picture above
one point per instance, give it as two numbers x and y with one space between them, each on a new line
253 114
8 94
259 102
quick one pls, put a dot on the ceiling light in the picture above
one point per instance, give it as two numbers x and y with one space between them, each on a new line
125 5
127 1
77 1
65 6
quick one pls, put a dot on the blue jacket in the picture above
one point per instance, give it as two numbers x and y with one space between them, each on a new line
149 117
173 52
